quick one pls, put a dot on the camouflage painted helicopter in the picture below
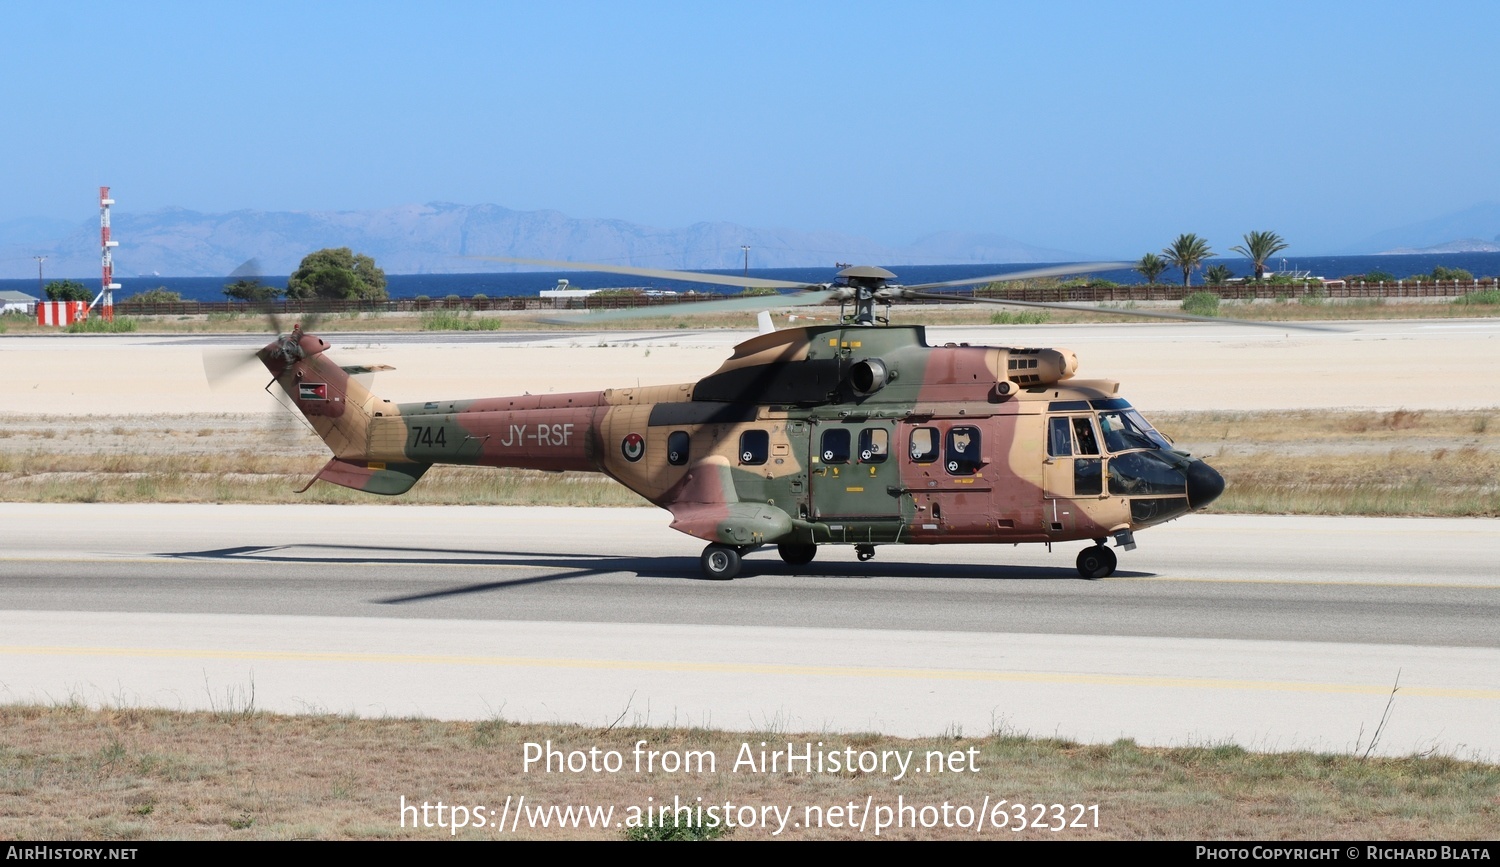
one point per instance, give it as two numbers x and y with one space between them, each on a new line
843 434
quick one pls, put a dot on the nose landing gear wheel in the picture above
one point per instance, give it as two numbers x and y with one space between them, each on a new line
720 562
864 552
1096 562
797 554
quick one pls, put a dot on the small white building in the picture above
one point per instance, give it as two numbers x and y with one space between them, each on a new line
17 302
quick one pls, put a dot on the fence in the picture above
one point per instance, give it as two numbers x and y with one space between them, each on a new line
410 305
1241 291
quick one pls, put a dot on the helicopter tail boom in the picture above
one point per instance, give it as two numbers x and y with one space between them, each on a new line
381 447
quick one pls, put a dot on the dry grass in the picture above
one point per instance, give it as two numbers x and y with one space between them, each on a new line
1361 426
69 772
1328 463
253 478
1394 463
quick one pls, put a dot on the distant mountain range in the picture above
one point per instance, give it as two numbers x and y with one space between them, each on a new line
1459 232
1462 245
435 239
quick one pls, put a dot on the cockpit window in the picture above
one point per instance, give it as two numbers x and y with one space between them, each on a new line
1083 430
1126 431
1059 440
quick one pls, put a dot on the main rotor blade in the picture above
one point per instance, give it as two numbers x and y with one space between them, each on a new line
1031 274
1116 311
754 302
659 274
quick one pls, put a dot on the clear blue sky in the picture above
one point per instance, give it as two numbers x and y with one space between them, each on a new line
1099 127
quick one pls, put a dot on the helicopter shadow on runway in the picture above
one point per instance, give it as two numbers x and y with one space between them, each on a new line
569 566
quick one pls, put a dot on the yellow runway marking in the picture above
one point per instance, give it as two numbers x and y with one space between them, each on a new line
1285 583
272 561
1065 678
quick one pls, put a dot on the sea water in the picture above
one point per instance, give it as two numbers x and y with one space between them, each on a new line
501 285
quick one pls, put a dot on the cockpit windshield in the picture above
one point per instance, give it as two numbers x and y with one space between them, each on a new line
1125 430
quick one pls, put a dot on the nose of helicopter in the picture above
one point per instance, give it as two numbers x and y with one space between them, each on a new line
1204 484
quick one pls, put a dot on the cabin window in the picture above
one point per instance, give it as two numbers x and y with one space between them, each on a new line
678 447
1059 438
755 445
874 445
836 446
924 445
963 451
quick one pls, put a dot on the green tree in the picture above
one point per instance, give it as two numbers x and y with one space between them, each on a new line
251 289
159 295
1444 273
1150 267
1217 275
1259 247
1187 254
67 290
337 273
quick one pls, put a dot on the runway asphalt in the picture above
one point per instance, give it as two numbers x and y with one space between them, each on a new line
1270 632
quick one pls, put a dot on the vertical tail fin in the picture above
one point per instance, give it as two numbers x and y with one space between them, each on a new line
340 408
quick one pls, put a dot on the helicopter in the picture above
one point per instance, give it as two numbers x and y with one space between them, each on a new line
859 433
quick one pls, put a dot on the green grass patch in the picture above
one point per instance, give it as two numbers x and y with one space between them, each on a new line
690 830
100 325
453 320
1488 297
1201 304
1023 317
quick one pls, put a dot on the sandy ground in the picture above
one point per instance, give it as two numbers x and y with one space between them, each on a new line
1418 364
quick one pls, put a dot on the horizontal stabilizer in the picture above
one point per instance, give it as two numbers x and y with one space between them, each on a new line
372 477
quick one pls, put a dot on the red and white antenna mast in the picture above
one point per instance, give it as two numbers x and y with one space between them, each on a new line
106 297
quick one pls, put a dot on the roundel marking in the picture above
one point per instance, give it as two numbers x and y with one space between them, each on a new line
632 447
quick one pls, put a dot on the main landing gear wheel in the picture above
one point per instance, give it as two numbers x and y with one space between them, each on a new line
720 562
1096 562
864 552
796 553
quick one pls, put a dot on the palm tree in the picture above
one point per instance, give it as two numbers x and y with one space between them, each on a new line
1258 248
1186 254
1218 275
1150 267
